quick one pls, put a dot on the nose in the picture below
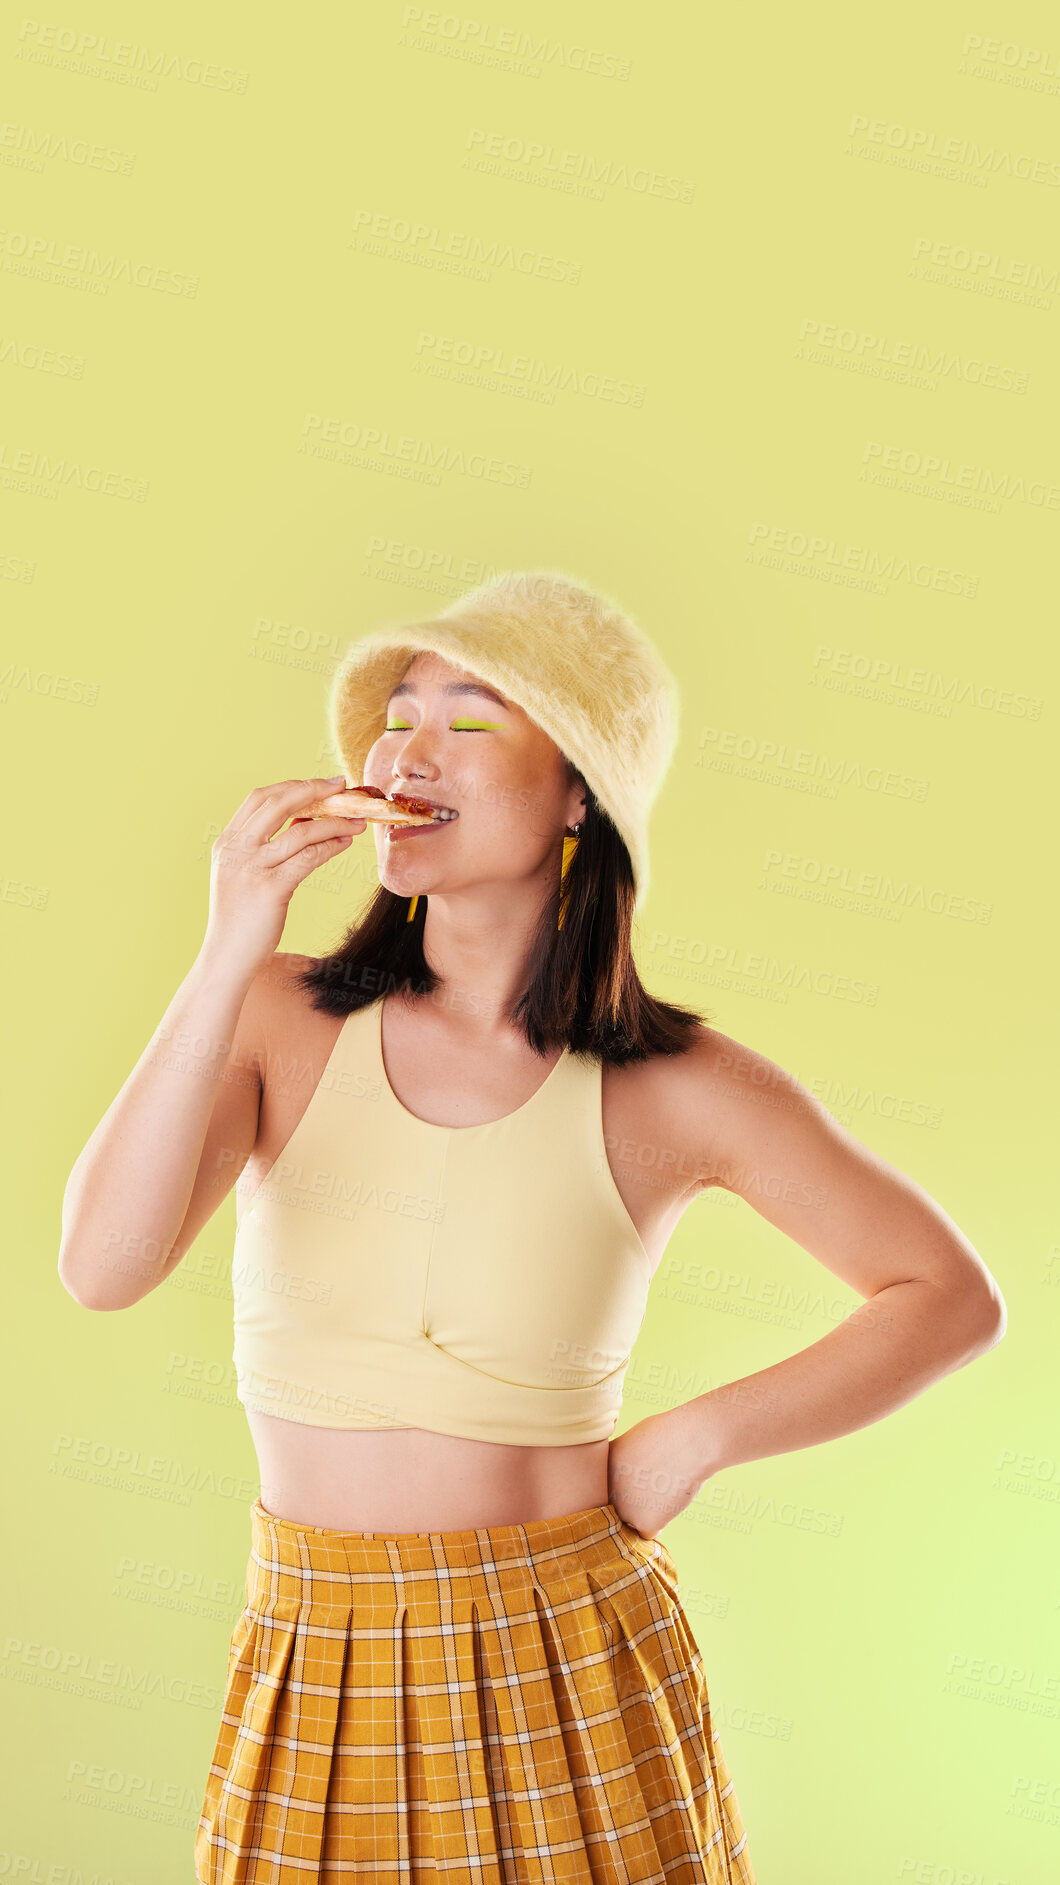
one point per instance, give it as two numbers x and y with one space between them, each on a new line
414 759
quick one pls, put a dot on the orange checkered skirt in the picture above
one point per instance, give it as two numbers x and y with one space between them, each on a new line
512 1704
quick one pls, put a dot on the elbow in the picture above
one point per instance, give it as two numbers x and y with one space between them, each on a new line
84 1288
99 1281
969 1319
995 1317
81 1296
983 1319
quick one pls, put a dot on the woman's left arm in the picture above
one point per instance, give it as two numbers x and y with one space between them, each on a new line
931 1305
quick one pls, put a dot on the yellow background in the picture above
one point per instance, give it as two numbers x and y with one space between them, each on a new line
866 659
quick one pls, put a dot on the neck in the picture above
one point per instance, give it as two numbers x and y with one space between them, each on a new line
476 941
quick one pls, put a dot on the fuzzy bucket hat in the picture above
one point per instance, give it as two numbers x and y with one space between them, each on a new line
569 657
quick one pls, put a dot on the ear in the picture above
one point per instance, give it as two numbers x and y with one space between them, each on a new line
575 794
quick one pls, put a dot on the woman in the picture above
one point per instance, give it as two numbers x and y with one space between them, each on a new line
463 1141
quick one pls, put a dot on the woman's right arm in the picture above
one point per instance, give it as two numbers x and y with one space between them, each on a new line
128 1194
184 1123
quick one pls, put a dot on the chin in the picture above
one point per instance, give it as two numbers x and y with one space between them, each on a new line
404 883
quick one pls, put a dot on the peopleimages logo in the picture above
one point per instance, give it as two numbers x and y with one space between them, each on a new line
324 435
936 469
505 370
22 252
985 262
431 244
774 761
564 167
509 47
881 674
920 142
41 40
885 356
789 870
825 553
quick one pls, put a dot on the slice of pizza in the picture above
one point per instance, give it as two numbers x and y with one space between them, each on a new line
371 802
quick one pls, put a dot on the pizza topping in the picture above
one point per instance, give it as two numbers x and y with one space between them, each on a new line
411 804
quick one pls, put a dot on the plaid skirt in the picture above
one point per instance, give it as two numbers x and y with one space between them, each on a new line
516 1703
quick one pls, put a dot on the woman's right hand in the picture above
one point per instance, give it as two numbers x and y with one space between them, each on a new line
254 874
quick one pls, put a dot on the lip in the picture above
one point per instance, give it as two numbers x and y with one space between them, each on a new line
396 833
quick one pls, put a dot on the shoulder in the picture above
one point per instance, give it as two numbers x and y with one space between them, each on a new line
278 983
727 1068
754 1129
717 1101
713 1064
275 1005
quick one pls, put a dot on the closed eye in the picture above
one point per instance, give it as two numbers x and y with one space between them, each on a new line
458 726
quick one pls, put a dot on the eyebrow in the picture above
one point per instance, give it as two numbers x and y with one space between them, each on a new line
454 687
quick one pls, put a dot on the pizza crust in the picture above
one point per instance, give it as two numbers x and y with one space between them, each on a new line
357 803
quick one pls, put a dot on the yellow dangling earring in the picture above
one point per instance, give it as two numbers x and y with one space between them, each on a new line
412 907
570 845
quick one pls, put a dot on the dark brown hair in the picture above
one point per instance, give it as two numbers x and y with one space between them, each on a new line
582 989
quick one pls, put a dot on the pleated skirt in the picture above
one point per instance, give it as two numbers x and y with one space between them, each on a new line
512 1704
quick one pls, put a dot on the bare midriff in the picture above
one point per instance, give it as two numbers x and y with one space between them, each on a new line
411 1479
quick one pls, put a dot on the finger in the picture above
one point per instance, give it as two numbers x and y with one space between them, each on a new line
294 839
268 807
308 856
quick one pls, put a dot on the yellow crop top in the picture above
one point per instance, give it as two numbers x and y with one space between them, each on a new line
482 1281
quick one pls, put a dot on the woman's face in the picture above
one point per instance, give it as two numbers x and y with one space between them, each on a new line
454 740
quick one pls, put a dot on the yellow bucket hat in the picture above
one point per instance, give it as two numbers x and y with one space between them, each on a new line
565 654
